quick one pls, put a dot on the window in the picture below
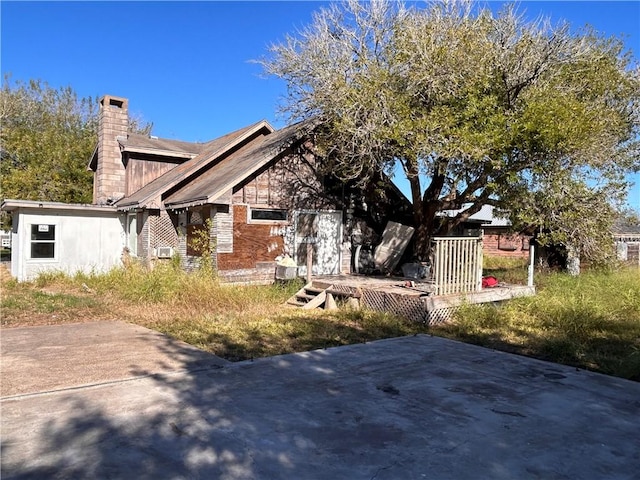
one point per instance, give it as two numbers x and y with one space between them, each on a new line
269 214
132 233
43 241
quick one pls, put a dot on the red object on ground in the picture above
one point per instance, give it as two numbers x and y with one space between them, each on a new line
488 282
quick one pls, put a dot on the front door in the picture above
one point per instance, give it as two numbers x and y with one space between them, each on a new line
319 234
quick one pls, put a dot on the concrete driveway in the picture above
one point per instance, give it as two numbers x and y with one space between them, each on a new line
406 408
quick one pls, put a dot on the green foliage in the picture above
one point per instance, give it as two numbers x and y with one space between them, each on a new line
476 108
205 248
47 138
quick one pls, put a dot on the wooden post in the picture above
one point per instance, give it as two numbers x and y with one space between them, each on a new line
330 303
309 261
531 266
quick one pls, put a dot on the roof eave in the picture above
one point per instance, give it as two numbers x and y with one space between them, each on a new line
10 205
93 161
215 155
162 153
186 204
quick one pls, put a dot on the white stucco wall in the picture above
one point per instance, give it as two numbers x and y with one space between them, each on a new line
85 241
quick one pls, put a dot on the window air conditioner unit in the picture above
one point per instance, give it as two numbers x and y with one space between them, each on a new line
165 252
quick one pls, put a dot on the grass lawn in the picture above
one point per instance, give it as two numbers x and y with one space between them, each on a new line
591 322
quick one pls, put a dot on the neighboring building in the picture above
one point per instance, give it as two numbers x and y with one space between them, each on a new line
5 239
152 197
498 238
627 239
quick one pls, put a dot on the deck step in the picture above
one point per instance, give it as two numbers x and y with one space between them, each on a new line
314 290
316 302
296 303
308 297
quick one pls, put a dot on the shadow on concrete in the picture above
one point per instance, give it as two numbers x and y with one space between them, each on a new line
414 407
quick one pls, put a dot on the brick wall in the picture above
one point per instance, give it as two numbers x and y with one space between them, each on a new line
263 273
500 243
252 243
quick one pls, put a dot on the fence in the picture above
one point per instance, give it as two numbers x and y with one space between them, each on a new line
457 264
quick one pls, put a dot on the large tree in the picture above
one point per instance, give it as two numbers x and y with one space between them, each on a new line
47 138
473 107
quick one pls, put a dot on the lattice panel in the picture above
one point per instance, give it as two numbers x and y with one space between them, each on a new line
163 233
195 217
410 307
345 289
441 315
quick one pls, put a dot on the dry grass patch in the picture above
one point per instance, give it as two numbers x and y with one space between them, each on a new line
50 300
245 336
233 322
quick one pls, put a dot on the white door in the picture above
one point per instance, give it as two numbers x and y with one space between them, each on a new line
320 234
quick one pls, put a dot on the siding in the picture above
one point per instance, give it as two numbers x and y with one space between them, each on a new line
223 230
141 172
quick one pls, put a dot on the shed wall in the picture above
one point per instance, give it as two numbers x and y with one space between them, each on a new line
84 242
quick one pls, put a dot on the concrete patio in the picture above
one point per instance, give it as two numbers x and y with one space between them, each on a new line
405 408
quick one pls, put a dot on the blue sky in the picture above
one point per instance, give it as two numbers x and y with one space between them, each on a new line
186 66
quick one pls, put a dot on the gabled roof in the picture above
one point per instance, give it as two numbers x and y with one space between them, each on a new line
150 195
160 146
135 142
234 169
622 229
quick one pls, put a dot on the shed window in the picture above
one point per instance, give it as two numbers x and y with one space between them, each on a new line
43 241
269 214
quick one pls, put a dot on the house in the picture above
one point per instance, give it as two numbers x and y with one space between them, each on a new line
5 239
252 193
498 238
627 240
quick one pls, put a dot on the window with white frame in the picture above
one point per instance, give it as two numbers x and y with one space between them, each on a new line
43 241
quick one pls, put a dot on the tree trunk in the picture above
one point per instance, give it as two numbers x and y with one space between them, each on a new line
573 261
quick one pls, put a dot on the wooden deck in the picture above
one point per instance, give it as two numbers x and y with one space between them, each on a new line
397 285
412 299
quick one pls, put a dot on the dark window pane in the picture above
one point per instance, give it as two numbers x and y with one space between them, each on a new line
43 232
269 214
42 250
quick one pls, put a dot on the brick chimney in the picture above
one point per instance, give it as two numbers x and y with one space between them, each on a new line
109 178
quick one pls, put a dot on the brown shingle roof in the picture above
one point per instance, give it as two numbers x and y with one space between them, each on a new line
136 141
233 169
149 195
